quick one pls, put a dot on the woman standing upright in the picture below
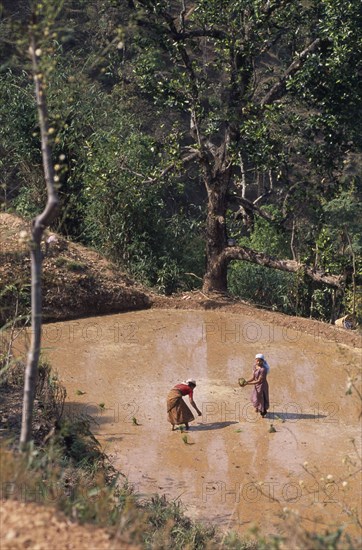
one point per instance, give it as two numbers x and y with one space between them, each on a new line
260 394
177 410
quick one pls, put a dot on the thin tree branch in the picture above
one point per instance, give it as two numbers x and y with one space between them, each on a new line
270 7
170 168
279 88
292 242
354 270
200 33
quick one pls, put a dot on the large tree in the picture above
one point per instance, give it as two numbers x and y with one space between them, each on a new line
269 90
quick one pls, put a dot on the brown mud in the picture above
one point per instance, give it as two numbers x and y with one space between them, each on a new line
229 468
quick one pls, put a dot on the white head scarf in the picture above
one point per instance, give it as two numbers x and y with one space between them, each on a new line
265 364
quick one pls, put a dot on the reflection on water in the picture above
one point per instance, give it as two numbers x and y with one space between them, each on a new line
119 369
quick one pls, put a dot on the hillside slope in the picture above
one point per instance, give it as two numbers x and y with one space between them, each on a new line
79 282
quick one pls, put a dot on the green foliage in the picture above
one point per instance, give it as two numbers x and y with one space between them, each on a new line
78 442
166 518
20 160
260 285
270 238
339 244
139 222
122 82
342 220
15 302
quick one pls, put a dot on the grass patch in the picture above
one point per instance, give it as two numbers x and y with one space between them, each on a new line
71 265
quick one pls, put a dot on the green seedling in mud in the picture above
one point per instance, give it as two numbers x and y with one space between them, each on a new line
272 429
135 421
238 431
186 441
279 418
80 392
102 405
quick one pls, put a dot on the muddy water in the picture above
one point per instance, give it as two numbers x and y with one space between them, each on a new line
230 469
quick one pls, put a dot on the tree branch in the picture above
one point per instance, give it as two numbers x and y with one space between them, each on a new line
201 33
289 266
251 207
172 166
271 7
279 88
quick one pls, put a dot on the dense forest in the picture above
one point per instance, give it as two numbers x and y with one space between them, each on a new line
208 144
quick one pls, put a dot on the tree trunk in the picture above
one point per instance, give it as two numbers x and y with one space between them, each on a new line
31 372
217 174
215 278
39 224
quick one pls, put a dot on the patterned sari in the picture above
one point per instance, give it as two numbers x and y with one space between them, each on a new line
177 410
260 393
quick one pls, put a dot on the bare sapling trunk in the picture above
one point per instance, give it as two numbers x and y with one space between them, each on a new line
39 224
